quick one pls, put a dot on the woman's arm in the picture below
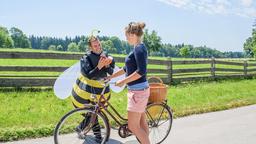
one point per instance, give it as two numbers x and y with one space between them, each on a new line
134 76
116 74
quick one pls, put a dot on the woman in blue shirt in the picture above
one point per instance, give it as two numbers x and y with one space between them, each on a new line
138 88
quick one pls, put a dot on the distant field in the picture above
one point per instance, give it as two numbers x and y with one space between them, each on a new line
68 63
119 55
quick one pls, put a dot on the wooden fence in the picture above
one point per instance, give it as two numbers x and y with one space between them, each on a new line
173 70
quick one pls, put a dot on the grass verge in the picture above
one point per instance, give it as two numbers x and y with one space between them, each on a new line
33 113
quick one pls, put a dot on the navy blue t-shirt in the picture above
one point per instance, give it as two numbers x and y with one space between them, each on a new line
137 61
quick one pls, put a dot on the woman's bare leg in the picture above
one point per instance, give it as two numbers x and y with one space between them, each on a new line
134 124
144 124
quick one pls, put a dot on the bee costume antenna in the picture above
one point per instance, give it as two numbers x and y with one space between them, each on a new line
94 32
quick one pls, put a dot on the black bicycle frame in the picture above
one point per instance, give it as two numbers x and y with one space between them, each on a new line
103 103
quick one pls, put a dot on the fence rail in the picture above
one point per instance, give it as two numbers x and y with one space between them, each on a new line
191 62
171 72
32 68
190 70
229 69
228 63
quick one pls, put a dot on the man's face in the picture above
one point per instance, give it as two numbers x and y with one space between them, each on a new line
96 46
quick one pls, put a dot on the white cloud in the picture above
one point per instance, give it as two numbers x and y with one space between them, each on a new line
176 3
245 8
246 3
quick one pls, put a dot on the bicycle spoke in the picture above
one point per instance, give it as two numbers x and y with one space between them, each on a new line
160 115
150 117
156 136
163 122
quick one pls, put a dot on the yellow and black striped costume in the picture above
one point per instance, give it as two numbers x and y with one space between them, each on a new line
88 82
84 88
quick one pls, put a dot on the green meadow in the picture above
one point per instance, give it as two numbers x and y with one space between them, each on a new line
34 112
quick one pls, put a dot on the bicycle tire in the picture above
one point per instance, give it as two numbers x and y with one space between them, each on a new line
165 109
77 111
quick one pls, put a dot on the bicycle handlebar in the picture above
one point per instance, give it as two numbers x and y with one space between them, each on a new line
106 82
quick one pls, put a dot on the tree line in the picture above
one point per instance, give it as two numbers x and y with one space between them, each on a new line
15 38
79 44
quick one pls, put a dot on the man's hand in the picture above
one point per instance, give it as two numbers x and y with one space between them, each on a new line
102 62
108 61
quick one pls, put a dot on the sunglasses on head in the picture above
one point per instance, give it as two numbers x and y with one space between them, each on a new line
131 24
132 27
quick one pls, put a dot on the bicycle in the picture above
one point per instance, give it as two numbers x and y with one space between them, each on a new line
159 118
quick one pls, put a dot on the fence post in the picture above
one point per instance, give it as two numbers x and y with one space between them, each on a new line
213 67
169 68
245 68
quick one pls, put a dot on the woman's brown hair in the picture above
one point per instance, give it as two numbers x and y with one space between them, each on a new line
135 28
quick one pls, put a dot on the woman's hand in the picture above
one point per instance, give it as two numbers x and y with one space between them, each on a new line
107 78
120 83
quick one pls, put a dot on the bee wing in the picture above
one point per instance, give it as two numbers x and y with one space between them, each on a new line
112 86
64 83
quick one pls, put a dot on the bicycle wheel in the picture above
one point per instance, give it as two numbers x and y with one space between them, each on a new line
159 118
66 131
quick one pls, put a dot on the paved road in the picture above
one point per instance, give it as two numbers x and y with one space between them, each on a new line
235 126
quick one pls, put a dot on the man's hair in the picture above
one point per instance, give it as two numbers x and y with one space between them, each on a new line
91 39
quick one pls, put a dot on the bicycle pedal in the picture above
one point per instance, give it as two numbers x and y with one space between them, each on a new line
80 136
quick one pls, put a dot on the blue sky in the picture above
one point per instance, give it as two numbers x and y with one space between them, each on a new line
220 24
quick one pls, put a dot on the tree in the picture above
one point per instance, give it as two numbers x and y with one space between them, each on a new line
59 48
73 47
45 43
195 53
117 44
250 42
19 38
184 51
9 42
5 39
126 47
2 39
52 47
152 41
108 46
254 51
83 46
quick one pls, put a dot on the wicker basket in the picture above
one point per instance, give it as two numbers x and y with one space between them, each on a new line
158 90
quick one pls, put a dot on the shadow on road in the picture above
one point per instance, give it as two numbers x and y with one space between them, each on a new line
112 141
132 142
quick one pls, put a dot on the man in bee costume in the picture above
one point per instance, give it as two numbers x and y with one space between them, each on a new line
95 65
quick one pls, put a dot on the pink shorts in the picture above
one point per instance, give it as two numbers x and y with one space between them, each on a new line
137 100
